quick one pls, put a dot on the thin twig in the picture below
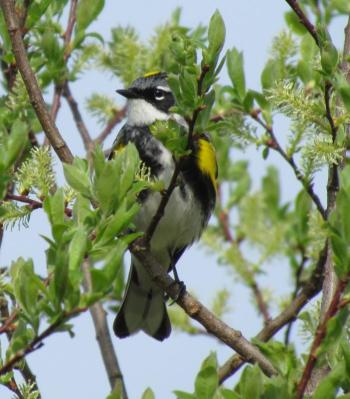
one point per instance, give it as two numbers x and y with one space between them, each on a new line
224 221
311 288
298 274
304 20
319 336
194 309
103 337
34 204
274 144
117 118
36 343
25 370
82 128
31 84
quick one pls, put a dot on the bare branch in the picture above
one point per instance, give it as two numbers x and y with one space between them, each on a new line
37 342
274 144
304 20
319 336
224 221
103 337
31 84
82 128
197 311
311 288
117 118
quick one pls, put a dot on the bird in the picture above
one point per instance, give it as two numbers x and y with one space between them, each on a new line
149 99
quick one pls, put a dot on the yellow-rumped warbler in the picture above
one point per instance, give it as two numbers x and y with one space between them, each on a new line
187 211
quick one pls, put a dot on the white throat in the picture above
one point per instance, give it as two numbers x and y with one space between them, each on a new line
141 112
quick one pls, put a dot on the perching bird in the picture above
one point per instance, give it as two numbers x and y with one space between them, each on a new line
187 212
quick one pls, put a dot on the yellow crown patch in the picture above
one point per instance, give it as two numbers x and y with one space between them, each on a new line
152 73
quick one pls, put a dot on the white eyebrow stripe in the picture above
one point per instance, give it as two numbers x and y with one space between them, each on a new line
164 88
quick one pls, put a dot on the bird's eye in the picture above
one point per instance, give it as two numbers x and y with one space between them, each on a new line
158 94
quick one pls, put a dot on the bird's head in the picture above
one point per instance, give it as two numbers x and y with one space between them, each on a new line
149 99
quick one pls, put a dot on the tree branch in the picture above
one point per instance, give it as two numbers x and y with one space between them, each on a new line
117 118
34 204
73 105
319 336
311 288
31 84
304 20
103 337
224 221
215 326
274 144
36 343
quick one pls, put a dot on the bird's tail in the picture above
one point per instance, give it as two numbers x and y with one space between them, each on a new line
143 307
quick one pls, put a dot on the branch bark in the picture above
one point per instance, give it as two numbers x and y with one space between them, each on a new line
104 340
311 288
197 311
78 119
29 79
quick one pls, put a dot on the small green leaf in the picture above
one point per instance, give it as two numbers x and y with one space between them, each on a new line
16 141
76 251
148 394
77 176
184 395
343 6
87 12
36 10
216 38
207 380
294 23
236 71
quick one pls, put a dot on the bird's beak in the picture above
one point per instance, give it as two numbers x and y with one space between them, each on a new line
128 93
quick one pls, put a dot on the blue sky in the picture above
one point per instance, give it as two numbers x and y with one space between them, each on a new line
72 368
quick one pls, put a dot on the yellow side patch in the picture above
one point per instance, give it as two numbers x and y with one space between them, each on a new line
152 73
207 160
118 149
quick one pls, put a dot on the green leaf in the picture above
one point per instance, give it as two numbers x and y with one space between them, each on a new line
148 394
294 23
227 394
184 395
87 12
76 251
36 10
270 74
207 380
54 207
60 279
330 384
236 71
15 142
216 38
343 6
77 176
251 385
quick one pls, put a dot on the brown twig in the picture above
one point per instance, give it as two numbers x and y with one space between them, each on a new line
82 128
304 20
31 84
117 118
36 343
103 337
311 288
24 369
34 204
298 274
319 336
215 326
224 220
298 174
